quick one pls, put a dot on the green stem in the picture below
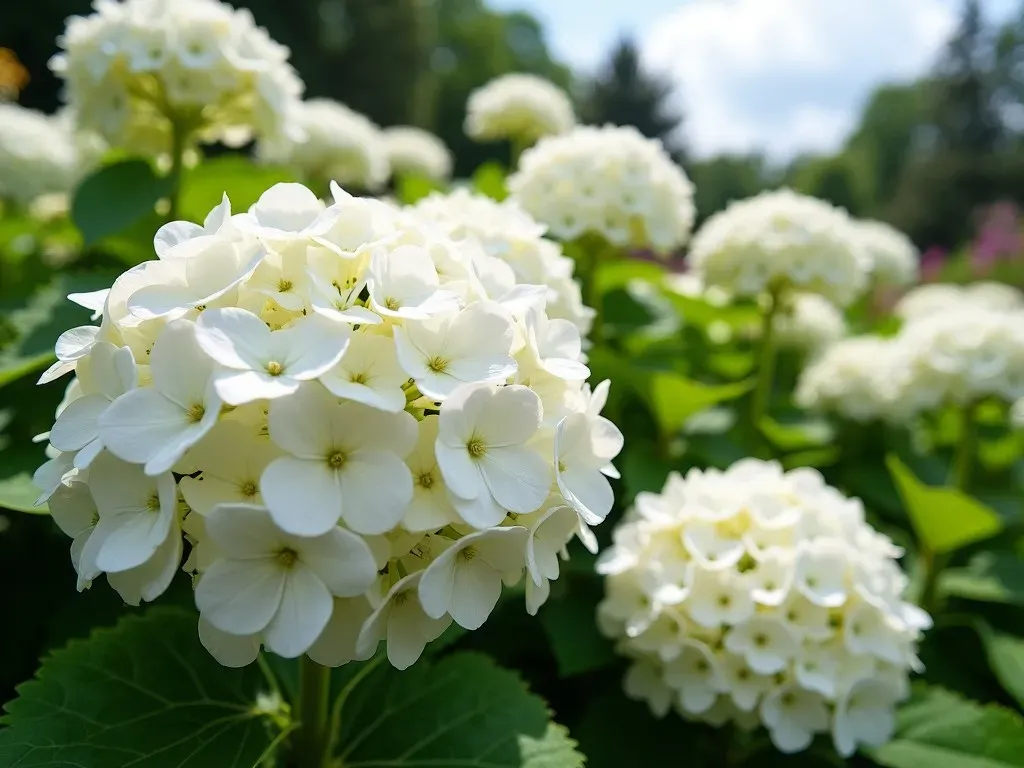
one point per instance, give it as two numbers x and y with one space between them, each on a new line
516 146
313 736
595 253
179 143
765 370
932 562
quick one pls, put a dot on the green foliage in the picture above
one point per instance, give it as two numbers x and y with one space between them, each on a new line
945 519
115 197
990 577
570 624
941 730
463 711
489 180
144 693
412 189
236 176
18 493
674 398
1006 658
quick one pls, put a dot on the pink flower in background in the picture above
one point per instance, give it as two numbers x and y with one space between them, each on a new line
998 237
932 262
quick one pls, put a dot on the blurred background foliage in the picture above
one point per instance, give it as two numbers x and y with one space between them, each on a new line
926 155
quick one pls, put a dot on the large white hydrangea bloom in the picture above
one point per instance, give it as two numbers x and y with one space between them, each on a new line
360 428
336 143
893 257
41 154
782 240
963 354
519 107
508 233
417 152
759 596
132 67
864 378
609 181
809 322
932 298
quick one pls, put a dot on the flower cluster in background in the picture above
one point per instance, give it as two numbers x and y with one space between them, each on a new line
607 181
518 107
333 143
416 152
361 428
762 597
144 74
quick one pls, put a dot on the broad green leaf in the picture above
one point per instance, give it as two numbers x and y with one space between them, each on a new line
990 577
204 186
797 436
938 729
945 519
675 398
696 311
489 180
115 197
143 694
571 628
462 711
19 493
412 188
1006 658
620 272
37 323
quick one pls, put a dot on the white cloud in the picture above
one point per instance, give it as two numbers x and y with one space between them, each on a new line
789 76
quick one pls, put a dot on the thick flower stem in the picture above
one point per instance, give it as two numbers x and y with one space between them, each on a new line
312 712
765 371
595 252
960 477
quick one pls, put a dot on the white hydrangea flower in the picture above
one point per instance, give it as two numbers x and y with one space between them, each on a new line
610 181
863 378
893 257
417 152
934 298
362 427
964 354
507 232
519 107
781 240
806 635
41 158
133 68
336 143
809 322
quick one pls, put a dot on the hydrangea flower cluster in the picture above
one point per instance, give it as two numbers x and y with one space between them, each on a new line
519 107
136 70
963 354
893 257
40 154
335 143
780 241
610 181
863 379
360 428
932 298
758 596
809 322
508 233
417 152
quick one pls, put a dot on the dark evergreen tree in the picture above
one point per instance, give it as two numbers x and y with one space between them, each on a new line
625 93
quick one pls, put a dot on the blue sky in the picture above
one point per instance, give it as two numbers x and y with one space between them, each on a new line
783 76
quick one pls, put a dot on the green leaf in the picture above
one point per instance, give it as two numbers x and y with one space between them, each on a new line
939 729
945 519
463 711
203 187
19 493
115 197
797 436
1005 657
412 188
620 272
990 577
489 179
38 323
571 628
143 694
674 398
